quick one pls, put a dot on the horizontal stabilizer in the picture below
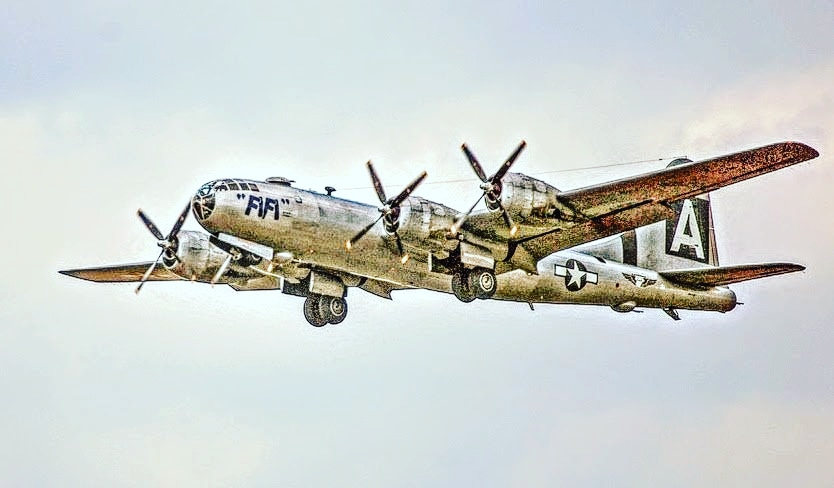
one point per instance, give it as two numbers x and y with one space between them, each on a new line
121 273
726 275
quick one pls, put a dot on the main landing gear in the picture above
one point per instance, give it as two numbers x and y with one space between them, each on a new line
468 285
320 310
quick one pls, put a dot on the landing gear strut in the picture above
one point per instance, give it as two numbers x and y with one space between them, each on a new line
468 285
320 310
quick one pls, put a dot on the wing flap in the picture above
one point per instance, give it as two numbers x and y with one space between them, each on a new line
726 275
543 245
379 288
686 180
121 273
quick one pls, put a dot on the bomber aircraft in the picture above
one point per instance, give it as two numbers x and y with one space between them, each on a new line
645 241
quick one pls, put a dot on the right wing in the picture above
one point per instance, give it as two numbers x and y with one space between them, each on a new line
122 273
684 181
610 208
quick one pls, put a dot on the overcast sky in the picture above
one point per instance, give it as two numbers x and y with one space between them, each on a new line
108 107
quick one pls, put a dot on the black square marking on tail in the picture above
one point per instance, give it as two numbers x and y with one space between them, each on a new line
687 235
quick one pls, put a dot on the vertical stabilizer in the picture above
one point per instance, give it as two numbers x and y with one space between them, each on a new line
685 241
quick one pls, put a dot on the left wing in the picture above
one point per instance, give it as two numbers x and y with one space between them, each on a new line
122 273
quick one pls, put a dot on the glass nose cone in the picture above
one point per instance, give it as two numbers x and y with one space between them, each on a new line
203 202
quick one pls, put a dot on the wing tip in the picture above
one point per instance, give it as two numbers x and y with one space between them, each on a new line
76 273
803 151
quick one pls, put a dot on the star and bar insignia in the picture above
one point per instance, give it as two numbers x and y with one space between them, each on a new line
576 275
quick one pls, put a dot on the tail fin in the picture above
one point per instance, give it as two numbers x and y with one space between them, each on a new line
685 241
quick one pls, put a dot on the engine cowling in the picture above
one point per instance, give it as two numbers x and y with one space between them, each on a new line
199 259
421 221
528 200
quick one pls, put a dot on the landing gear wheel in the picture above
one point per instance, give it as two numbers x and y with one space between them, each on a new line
482 283
332 309
311 311
460 287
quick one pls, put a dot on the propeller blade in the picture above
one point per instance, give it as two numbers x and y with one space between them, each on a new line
150 225
178 225
349 243
380 192
399 243
509 162
513 228
459 223
407 190
473 161
221 270
148 273
404 257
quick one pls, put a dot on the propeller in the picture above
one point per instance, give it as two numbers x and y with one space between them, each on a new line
389 212
168 243
222 269
491 187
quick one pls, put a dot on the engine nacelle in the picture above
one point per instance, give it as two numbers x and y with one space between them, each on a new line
422 220
199 259
529 200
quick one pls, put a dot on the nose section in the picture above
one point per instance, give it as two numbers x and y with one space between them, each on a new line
202 204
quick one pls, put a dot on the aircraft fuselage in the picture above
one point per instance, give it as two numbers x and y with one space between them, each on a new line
313 228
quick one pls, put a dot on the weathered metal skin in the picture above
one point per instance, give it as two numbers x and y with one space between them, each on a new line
610 286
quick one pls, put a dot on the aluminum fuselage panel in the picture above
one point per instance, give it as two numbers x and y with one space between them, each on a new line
314 228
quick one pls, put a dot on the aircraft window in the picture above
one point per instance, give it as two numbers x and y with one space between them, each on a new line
233 185
244 186
297 199
221 187
205 189
253 187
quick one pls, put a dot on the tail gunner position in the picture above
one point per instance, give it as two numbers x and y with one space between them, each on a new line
645 241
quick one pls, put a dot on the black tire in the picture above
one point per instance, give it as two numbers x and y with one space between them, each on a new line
482 283
311 311
332 309
460 287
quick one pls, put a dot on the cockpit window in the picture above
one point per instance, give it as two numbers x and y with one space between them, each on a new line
225 185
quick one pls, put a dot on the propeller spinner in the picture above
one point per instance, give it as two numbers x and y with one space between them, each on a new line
389 212
168 243
491 187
